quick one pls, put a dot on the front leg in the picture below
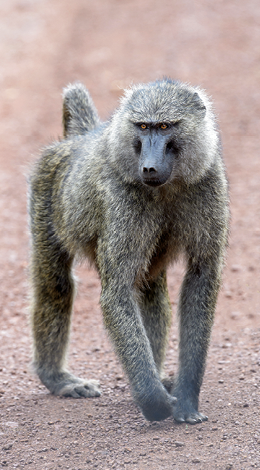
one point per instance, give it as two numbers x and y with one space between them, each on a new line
156 316
196 313
125 248
123 320
121 258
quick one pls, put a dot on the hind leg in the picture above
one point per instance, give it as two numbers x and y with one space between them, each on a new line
53 292
156 314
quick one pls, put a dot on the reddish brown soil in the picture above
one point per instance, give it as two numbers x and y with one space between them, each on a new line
107 44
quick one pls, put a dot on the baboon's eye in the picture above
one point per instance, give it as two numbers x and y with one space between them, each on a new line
163 126
143 126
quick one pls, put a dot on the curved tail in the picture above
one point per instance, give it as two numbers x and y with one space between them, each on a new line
79 112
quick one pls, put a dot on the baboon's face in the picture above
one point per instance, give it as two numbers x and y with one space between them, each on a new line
166 134
157 150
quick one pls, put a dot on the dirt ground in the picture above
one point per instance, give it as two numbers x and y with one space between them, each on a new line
108 44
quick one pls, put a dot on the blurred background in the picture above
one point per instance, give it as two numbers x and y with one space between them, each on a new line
108 45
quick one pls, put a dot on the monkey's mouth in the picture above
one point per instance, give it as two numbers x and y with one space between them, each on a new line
153 183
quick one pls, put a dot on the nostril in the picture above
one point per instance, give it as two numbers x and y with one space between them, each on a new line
149 170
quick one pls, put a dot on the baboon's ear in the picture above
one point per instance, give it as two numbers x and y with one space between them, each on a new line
197 105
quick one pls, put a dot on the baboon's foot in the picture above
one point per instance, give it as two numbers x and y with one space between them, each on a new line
185 413
82 388
67 385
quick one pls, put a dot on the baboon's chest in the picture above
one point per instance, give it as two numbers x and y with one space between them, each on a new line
165 252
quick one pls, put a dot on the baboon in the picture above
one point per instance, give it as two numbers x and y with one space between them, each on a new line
131 195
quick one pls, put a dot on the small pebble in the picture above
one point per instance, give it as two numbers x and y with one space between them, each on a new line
179 444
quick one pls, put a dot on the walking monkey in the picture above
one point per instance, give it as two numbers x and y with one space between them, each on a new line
132 194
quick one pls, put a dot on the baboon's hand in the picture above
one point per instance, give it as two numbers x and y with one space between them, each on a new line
157 406
184 412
